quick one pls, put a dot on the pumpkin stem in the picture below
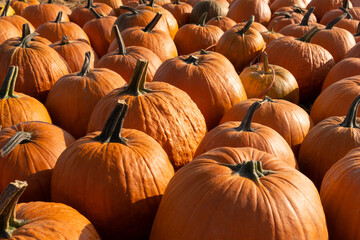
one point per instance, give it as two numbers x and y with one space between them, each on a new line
267 99
58 17
25 40
18 138
305 20
176 2
346 4
249 169
153 23
284 14
192 60
357 31
266 64
136 86
8 200
64 40
7 88
247 25
96 14
335 21
297 9
132 10
25 30
245 125
309 35
204 52
50 2
111 132
86 66
151 3
349 16
202 20
90 4
350 119
6 9
120 41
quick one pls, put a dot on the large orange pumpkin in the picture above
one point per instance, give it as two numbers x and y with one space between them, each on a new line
239 193
132 172
83 14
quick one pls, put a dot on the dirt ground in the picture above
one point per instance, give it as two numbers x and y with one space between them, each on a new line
70 3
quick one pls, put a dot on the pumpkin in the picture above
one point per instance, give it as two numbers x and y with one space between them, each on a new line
26 31
194 37
286 118
228 193
354 52
258 26
284 19
266 79
180 10
114 4
211 72
340 194
241 45
55 30
82 14
347 67
357 34
123 59
270 35
17 107
167 16
46 12
348 23
7 31
20 5
328 142
40 220
244 9
309 63
248 134
75 96
213 9
224 23
122 194
278 4
330 15
40 66
336 99
156 40
16 20
297 10
73 52
337 41
29 151
324 6
159 109
99 32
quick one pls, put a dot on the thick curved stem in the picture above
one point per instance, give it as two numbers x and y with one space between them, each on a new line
266 63
348 16
120 41
137 77
309 35
64 40
25 30
247 25
151 3
305 20
6 9
267 99
86 66
96 14
346 4
177 2
350 119
192 60
90 4
18 138
8 200
153 23
111 132
132 10
335 21
245 125
284 14
202 19
58 17
7 88
25 41
297 9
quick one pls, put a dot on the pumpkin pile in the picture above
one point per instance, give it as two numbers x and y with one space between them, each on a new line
179 119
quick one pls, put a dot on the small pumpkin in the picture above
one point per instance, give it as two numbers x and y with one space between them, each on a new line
213 9
270 35
82 14
224 23
8 31
324 6
20 5
114 4
244 9
180 10
284 19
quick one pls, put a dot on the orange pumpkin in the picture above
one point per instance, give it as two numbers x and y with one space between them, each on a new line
16 20
323 6
7 31
180 10
284 19
20 5
224 23
83 14
244 9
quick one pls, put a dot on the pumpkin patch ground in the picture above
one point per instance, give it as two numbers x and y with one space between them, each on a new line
179 119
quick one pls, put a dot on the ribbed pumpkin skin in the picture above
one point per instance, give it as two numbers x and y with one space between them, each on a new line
181 11
243 9
224 23
220 85
33 161
288 119
208 201
126 192
323 6
39 67
81 14
49 221
167 114
18 22
22 109
19 6
325 144
7 31
41 13
340 194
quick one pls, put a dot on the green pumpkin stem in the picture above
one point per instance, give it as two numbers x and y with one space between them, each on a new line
266 64
267 99
64 40
309 35
111 132
202 19
120 41
249 169
8 201
132 10
25 30
335 21
245 125
177 2
136 86
247 25
96 14
90 4
305 20
18 138
346 4
151 3
25 40
348 16
7 88
192 60
5 9
58 17
297 9
283 14
153 23
86 66
350 119
50 1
